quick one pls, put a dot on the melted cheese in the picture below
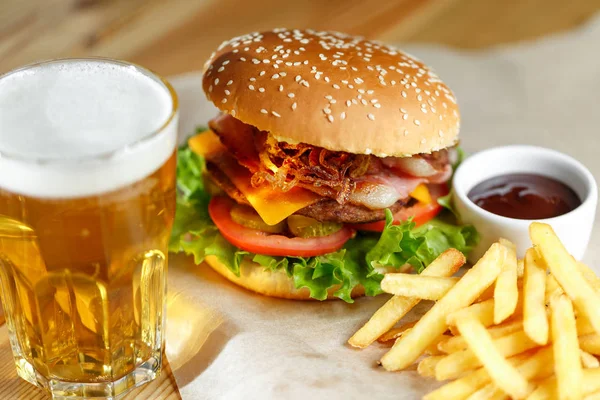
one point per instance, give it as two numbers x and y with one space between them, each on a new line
422 194
272 205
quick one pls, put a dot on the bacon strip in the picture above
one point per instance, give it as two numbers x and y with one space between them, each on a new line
363 180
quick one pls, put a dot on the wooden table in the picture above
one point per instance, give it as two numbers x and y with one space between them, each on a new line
175 36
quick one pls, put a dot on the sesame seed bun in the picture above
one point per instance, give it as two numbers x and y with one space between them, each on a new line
331 90
276 283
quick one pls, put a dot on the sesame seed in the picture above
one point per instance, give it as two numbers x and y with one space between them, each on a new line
332 101
210 88
403 94
294 105
242 59
363 101
275 76
216 81
330 118
229 82
374 101
405 132
343 115
262 110
405 117
266 61
350 86
224 101
371 117
221 69
251 87
255 61
354 101
358 80
281 88
441 133
348 102
377 105
336 86
327 110
276 114
252 79
417 122
283 73
227 92
298 77
291 95
423 141
305 83
233 113
261 89
262 73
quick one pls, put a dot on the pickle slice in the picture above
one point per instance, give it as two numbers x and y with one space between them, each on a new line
306 227
247 217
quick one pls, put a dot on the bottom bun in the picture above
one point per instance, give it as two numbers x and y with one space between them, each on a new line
276 283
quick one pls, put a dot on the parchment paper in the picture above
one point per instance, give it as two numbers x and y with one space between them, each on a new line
226 343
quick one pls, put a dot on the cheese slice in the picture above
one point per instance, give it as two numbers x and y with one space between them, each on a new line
272 205
422 194
206 142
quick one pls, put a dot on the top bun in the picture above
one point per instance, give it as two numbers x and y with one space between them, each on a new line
335 91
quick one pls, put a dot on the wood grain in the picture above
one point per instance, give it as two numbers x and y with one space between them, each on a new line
175 36
14 388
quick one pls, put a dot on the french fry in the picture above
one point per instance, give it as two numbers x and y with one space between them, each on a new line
417 286
456 343
412 344
564 268
548 389
535 320
567 359
553 289
590 343
540 365
397 307
455 364
395 333
433 350
592 396
589 275
520 267
468 384
584 327
506 292
427 365
483 311
502 373
588 360
489 392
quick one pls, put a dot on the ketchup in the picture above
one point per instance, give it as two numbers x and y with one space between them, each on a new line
524 196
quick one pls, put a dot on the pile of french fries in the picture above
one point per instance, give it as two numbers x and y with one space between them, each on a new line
508 328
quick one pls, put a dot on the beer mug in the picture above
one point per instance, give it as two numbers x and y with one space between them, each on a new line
87 201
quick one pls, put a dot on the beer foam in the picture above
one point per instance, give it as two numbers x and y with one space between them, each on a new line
82 127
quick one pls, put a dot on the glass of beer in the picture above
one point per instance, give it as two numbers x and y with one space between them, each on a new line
87 200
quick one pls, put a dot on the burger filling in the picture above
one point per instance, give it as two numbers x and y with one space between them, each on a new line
339 187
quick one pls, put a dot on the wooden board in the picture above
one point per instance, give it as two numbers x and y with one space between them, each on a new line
175 36
14 388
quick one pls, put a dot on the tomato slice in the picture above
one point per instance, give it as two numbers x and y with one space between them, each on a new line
259 242
420 212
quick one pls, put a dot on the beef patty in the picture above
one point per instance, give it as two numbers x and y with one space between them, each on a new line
324 210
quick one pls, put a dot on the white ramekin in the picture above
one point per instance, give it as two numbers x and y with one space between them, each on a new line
573 228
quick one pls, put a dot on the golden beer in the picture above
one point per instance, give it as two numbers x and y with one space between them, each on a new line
83 274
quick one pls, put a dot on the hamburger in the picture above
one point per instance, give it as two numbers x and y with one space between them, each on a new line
325 169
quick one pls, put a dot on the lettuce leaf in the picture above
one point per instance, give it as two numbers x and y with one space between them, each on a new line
360 262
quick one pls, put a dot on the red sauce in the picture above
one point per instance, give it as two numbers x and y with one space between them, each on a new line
524 196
